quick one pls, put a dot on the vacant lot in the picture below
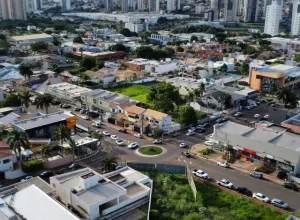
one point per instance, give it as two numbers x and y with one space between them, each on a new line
137 92
173 199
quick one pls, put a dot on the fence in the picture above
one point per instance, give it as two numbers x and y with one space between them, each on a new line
161 168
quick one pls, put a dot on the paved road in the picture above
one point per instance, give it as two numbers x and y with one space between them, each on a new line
173 156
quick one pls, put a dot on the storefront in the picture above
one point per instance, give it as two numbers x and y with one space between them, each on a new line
250 155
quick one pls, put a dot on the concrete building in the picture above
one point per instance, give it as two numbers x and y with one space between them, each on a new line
26 40
124 5
33 5
277 147
13 9
137 27
7 159
158 68
108 5
273 17
142 5
154 5
65 5
106 75
289 46
173 5
214 5
293 124
230 8
199 9
254 10
103 196
295 28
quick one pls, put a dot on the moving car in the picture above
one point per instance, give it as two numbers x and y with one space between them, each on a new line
225 183
210 143
74 165
47 173
106 133
85 117
257 116
291 186
256 175
190 133
26 178
266 116
243 190
82 111
114 137
76 109
186 154
182 145
201 174
261 197
97 125
279 203
238 114
133 145
223 164
157 141
138 135
122 130
120 142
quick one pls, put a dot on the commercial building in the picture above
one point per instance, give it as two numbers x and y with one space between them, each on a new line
289 46
273 17
293 124
276 148
124 5
44 125
65 5
154 5
26 40
103 196
254 10
230 8
137 27
107 55
13 9
173 5
158 68
295 28
199 9
66 91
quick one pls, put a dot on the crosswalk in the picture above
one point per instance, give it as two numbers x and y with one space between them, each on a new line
181 159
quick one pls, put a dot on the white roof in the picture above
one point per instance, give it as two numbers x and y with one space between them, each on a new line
33 204
31 37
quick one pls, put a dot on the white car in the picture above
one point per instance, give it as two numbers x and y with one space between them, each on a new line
223 164
201 174
138 135
225 183
190 133
26 178
237 114
157 141
253 105
257 116
133 145
115 137
85 117
191 129
266 116
210 143
247 107
261 197
97 125
182 145
106 133
120 142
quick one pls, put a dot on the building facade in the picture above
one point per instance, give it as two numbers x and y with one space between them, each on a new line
230 8
13 9
273 17
254 10
295 28
173 5
65 5
26 40
124 5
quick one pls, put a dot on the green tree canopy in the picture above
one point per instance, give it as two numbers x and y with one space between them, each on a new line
88 62
78 40
297 57
187 115
179 49
194 38
39 46
12 100
223 69
126 32
118 47
244 69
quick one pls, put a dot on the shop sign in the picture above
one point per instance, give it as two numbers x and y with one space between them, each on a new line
249 151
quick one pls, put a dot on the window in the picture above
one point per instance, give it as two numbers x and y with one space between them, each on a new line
94 101
100 102
6 161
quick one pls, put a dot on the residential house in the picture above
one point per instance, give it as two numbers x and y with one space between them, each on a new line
51 60
130 75
7 158
158 120
215 99
106 75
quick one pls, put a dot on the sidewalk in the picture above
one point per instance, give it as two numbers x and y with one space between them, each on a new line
239 165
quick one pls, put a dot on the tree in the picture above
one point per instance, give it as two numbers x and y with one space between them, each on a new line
157 133
126 32
55 68
39 46
88 62
297 57
118 47
84 78
12 100
46 150
193 38
109 164
4 47
25 71
145 35
244 69
81 52
249 50
61 134
25 98
97 135
78 40
179 49
44 101
72 144
187 115
223 69
144 52
190 97
16 140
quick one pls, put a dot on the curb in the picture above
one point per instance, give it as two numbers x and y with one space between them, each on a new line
143 155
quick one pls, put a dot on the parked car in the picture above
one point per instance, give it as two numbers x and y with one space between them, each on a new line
175 134
186 154
206 125
122 130
85 117
225 183
182 145
247 107
106 133
261 197
120 142
82 111
243 190
114 137
97 125
201 174
157 141
47 173
256 175
237 114
74 165
210 143
76 109
253 105
133 145
138 135
223 164
279 203
291 186
190 133
26 178
257 116
266 116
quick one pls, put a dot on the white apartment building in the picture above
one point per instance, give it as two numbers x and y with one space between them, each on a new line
137 27
295 28
230 7
13 9
199 9
160 67
103 196
173 5
273 17
65 5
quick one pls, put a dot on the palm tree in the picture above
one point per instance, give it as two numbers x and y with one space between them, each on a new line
109 164
16 140
62 134
25 71
283 94
44 101
97 135
25 98
83 77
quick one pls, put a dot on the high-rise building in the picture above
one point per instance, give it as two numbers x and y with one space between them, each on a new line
13 9
108 5
173 5
214 5
254 10
230 10
124 5
65 5
154 5
273 17
295 28
142 5
33 5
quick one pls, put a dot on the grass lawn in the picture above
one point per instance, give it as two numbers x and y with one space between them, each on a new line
173 199
137 92
151 150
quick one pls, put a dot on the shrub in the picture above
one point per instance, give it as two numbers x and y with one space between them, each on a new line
32 166
282 174
206 151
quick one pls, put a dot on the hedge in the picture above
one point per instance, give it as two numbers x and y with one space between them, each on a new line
32 166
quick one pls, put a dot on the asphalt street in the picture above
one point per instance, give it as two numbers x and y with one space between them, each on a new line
173 156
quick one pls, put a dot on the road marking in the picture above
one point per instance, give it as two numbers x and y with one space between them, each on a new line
190 162
184 161
178 159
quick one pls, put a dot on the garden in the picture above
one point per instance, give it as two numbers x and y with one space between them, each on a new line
151 150
173 199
